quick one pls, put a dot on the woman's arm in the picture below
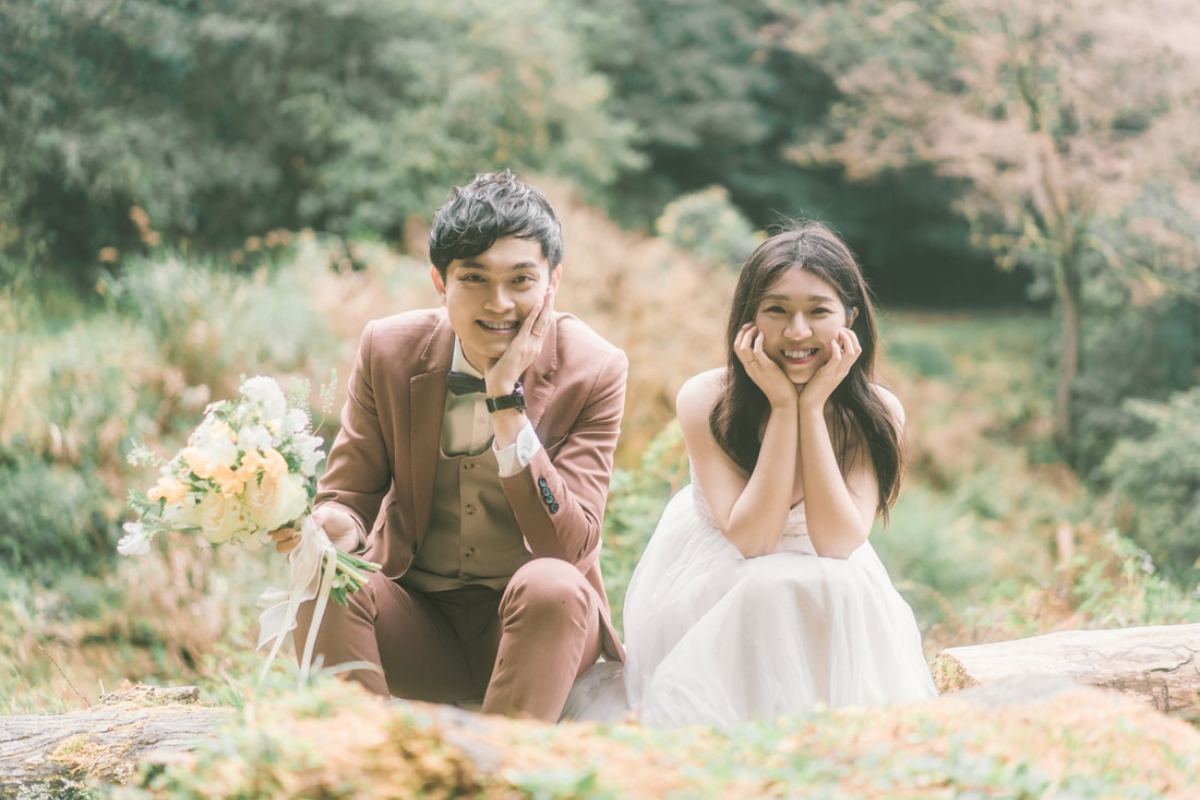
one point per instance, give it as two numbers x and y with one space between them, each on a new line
750 512
840 509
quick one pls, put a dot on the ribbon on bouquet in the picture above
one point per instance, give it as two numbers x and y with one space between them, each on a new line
313 566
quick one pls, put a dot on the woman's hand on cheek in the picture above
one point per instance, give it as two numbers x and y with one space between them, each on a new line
844 351
766 374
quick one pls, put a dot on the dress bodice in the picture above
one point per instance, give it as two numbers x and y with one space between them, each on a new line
795 529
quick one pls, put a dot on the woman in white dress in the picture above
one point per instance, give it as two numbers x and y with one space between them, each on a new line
759 594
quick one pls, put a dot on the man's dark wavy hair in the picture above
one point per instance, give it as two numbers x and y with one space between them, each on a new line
491 207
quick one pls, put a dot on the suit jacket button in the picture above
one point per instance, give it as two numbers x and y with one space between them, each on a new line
542 482
546 492
414 548
553 507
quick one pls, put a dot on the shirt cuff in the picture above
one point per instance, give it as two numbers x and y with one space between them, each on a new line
516 456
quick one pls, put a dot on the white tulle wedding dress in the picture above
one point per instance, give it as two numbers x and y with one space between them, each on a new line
717 639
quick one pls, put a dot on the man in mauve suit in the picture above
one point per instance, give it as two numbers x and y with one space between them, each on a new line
473 463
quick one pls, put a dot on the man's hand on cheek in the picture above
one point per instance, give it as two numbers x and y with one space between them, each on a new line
523 349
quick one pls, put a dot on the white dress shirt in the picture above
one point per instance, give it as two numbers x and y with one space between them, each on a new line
467 425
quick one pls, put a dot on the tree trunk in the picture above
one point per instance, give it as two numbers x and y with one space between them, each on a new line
1070 295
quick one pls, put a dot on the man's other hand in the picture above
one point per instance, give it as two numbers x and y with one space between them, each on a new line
339 526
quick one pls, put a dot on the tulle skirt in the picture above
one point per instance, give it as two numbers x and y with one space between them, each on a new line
717 639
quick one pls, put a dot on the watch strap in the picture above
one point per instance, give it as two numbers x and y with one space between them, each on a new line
515 400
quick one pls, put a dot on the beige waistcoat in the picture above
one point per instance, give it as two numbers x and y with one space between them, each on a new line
473 539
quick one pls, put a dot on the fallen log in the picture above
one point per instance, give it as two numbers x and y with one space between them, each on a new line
50 755
1157 665
61 755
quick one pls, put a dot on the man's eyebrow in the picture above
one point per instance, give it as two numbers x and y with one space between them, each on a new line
470 263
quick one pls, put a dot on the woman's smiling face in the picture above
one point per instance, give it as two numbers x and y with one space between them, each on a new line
799 316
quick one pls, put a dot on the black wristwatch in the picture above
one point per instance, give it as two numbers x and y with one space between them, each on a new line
515 400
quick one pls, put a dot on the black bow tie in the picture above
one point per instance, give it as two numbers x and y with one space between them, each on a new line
462 383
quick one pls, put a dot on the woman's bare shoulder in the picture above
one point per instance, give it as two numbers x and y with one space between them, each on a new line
698 395
891 402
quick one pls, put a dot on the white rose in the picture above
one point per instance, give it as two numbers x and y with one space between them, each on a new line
136 541
266 392
309 449
295 422
222 518
254 437
275 501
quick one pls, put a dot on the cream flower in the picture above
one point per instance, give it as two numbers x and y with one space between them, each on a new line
180 516
222 518
275 500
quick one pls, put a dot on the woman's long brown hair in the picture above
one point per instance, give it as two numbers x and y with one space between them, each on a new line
737 417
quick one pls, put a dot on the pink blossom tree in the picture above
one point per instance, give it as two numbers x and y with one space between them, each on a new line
1059 115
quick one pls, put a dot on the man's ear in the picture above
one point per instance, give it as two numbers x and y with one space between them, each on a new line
438 283
555 276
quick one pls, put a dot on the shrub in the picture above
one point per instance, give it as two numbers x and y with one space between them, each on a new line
635 502
1116 368
920 357
52 517
934 553
213 324
1156 480
1118 586
709 226
666 311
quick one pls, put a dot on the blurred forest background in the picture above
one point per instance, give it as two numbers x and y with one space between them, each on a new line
195 190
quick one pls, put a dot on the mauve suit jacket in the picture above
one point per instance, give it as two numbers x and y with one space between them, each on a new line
381 466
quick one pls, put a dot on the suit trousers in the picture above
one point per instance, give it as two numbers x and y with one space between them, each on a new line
519 650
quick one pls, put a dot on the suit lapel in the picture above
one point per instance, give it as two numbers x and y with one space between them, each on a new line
539 385
427 406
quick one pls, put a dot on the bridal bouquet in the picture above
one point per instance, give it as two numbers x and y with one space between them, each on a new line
248 469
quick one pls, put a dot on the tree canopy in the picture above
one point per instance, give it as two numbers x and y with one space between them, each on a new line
221 119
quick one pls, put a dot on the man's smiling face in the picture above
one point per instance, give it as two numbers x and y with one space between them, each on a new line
489 295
